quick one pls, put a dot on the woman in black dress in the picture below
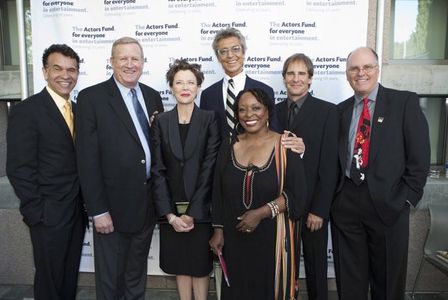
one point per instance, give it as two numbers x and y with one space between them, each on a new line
248 200
186 141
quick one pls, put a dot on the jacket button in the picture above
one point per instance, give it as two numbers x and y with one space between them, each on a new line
181 164
143 161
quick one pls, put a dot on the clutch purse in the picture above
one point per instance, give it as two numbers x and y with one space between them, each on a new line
181 207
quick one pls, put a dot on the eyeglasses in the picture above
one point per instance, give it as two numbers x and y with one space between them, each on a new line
365 68
225 51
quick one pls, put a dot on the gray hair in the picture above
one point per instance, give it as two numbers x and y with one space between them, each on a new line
226 33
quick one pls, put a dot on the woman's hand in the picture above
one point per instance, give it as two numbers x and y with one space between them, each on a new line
217 241
251 218
291 141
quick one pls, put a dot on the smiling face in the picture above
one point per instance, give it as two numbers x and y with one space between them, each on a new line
61 73
362 71
185 87
127 63
297 80
231 55
252 114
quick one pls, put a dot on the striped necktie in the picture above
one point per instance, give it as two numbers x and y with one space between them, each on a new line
230 103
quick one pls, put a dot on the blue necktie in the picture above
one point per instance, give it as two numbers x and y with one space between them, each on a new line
144 124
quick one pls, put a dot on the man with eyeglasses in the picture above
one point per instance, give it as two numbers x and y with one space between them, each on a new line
316 122
384 157
230 48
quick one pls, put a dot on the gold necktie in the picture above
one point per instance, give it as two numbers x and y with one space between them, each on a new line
68 116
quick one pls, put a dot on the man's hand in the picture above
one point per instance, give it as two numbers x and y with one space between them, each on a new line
313 222
103 224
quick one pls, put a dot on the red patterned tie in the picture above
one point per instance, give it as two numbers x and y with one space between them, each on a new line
362 143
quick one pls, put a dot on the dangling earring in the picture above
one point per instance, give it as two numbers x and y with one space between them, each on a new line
236 128
267 124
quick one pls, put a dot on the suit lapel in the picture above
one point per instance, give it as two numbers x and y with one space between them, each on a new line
282 114
305 112
173 134
346 118
150 105
219 94
380 115
193 133
54 113
116 101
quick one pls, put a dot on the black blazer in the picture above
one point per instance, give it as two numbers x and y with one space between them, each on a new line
399 155
195 163
317 124
212 99
41 161
111 159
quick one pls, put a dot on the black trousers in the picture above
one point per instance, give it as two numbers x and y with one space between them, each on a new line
368 253
121 263
315 259
57 254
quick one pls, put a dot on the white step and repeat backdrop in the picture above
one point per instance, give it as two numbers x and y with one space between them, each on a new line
325 30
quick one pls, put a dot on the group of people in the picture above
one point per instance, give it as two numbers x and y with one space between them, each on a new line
235 177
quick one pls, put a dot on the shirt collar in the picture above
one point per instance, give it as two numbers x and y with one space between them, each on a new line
238 80
125 90
371 97
299 102
60 101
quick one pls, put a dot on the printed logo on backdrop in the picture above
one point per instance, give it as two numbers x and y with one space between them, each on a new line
252 5
176 5
331 3
153 34
98 35
120 6
209 29
293 31
263 65
329 68
58 8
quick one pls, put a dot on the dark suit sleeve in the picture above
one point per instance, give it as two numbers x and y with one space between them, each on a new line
217 200
200 203
202 102
294 188
328 166
88 156
22 161
417 145
162 195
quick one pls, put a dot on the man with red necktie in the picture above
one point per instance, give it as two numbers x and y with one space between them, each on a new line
384 157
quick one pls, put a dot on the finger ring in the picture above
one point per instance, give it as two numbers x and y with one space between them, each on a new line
247 230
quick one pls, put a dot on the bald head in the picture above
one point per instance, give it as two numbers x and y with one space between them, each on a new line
362 70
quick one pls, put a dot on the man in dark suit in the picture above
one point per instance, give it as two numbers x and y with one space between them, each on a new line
384 157
114 157
316 122
41 166
230 48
